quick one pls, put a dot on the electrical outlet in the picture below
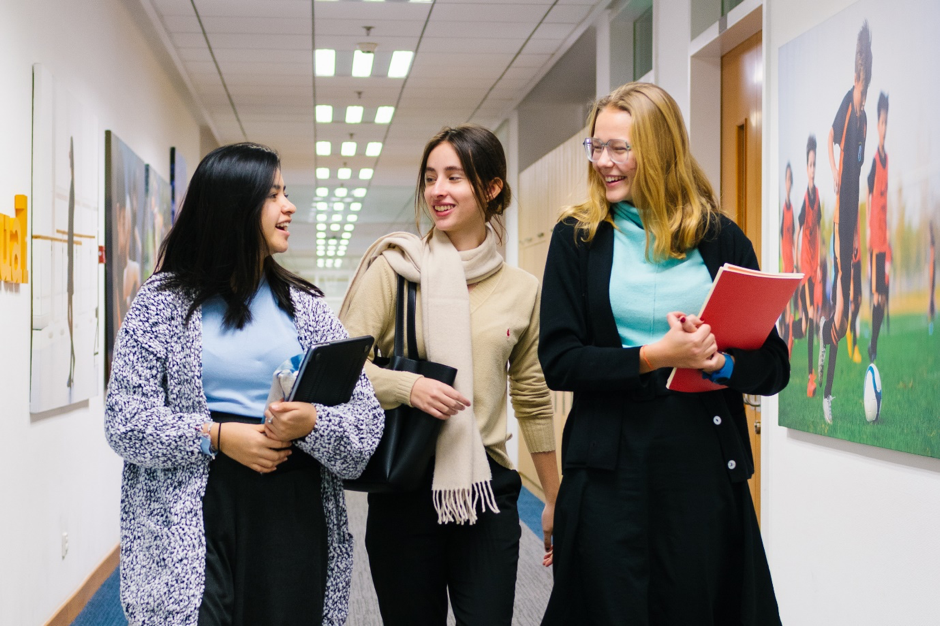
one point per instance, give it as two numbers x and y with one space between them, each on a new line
65 544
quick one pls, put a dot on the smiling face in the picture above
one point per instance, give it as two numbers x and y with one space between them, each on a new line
811 169
450 198
276 216
614 123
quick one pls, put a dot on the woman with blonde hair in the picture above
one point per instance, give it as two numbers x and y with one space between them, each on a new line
654 522
458 534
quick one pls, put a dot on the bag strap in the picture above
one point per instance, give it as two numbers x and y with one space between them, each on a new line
400 328
412 307
399 350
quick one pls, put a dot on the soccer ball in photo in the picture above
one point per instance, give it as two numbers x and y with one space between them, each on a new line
872 393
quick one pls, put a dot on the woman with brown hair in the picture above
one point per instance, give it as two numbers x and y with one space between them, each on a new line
654 520
458 534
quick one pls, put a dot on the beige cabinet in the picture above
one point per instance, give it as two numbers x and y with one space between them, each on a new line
556 180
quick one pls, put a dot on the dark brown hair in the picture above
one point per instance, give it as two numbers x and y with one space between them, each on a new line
483 161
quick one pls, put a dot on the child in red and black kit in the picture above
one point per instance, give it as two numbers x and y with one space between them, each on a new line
878 228
810 218
848 133
787 253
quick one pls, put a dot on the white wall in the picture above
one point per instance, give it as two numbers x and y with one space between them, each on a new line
57 474
851 529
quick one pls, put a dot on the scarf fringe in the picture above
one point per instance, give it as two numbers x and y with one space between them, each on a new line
460 505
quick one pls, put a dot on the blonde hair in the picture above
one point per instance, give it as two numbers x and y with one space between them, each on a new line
674 198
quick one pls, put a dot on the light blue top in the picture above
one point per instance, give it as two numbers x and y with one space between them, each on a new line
237 365
642 291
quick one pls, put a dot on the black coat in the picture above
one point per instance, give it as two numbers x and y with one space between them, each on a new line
604 445
580 350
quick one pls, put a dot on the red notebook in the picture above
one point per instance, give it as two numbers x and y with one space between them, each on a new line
742 308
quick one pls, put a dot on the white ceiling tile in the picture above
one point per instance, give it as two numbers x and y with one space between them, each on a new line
256 27
500 12
220 41
372 13
557 32
483 30
569 14
253 8
461 44
173 7
194 54
541 46
181 23
237 55
380 30
534 61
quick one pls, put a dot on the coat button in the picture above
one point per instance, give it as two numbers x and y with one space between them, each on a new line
732 464
717 420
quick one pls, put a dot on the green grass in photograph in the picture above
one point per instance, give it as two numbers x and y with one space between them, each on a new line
909 363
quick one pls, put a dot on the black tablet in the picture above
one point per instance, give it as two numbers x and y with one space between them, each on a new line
329 372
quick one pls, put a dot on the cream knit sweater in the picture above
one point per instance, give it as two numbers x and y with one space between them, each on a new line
504 321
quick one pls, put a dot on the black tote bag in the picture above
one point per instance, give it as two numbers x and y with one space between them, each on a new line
407 444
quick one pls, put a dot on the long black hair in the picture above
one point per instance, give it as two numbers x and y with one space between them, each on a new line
217 247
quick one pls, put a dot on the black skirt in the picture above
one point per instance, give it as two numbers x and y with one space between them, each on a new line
266 542
666 537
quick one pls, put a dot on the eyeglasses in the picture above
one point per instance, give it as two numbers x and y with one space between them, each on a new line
617 149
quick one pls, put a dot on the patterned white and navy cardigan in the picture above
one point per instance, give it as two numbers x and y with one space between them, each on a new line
154 410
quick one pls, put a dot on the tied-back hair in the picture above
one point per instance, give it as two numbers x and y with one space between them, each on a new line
671 192
483 161
217 247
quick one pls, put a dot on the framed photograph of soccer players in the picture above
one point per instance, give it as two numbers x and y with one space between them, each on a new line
859 212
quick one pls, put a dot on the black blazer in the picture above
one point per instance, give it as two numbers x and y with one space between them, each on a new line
580 351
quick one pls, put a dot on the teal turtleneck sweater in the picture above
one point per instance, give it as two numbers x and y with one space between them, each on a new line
643 291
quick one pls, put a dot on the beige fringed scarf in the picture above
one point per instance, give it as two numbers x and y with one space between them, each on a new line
462 478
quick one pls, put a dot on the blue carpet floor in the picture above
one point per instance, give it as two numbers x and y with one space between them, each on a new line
104 609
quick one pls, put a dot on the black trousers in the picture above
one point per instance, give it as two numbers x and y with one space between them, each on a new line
266 542
415 561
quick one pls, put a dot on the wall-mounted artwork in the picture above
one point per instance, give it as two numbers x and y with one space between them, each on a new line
157 219
179 178
64 247
125 181
859 166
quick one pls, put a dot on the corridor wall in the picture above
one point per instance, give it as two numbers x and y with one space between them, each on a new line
57 474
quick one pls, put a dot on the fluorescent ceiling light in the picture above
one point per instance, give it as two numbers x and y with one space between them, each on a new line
322 191
359 192
362 64
373 148
340 192
344 173
338 263
321 236
348 148
321 226
401 63
324 148
321 217
338 206
323 172
352 217
325 62
337 217
348 228
353 114
383 115
420 1
319 262
324 113
365 173
355 206
334 227
322 206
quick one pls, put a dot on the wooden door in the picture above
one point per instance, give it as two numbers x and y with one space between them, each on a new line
742 78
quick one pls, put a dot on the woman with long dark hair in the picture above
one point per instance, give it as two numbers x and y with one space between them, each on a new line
232 511
457 535
654 522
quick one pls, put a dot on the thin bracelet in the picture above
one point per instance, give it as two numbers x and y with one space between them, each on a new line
218 439
646 360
